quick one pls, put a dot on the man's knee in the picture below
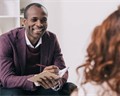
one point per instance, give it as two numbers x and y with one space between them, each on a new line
67 89
11 91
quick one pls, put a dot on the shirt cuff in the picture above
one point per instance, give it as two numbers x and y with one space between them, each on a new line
36 84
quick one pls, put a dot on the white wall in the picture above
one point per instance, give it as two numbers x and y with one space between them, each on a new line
73 21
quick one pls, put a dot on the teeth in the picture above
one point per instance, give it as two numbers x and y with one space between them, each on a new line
38 29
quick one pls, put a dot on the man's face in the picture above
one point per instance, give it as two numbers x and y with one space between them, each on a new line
36 22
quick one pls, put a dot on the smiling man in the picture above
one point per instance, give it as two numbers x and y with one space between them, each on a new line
23 49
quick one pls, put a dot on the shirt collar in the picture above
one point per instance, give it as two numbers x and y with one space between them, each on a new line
29 43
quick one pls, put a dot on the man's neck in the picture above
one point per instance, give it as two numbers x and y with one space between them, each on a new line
33 41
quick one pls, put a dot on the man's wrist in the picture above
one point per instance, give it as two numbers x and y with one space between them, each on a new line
36 83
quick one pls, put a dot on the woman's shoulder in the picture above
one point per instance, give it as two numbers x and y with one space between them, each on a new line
90 89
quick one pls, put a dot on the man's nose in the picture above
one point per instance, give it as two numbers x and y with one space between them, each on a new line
38 23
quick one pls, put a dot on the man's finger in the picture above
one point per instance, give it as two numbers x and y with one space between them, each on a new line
43 83
51 67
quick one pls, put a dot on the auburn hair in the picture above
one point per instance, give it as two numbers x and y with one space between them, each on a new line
103 53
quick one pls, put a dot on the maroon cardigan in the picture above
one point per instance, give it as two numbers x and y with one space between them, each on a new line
13 58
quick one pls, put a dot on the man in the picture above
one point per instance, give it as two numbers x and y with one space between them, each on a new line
23 49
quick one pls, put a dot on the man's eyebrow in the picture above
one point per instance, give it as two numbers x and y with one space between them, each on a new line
34 17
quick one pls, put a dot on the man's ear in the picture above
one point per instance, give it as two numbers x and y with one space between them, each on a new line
24 22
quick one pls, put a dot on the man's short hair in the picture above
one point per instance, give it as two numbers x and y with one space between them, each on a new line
34 4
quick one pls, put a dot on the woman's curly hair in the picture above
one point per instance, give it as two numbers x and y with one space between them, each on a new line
103 54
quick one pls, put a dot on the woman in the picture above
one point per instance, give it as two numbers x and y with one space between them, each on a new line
102 66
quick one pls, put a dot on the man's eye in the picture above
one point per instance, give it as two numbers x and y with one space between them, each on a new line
43 20
34 20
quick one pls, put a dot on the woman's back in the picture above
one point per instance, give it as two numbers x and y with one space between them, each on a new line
102 66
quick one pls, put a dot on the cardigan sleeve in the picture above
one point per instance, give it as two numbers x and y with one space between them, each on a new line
8 76
58 59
